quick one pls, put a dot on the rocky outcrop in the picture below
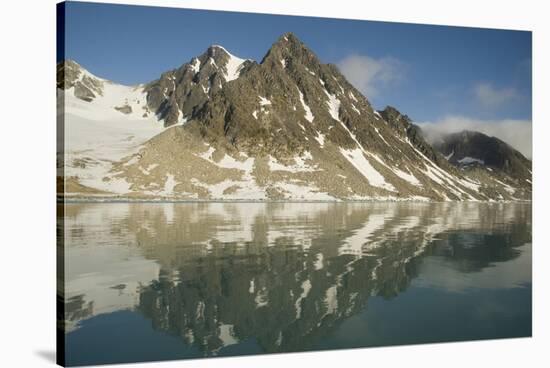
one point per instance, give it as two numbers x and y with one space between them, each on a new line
71 75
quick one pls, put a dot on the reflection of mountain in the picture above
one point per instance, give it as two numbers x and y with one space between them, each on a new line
279 274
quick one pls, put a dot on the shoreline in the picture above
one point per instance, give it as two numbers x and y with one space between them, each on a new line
70 200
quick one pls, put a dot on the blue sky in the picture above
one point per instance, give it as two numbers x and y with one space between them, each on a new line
431 73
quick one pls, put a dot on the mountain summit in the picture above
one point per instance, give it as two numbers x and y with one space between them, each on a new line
289 127
469 149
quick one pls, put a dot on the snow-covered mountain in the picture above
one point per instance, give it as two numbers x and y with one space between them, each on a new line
222 127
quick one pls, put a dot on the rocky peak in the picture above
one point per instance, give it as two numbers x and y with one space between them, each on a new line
86 86
469 149
405 128
290 127
288 49
396 120
178 94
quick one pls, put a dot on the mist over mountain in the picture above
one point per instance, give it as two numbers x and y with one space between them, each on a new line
516 133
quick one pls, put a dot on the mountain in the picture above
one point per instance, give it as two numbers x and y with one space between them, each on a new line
179 93
222 127
468 150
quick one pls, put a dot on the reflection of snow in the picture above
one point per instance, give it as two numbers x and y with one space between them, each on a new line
113 250
227 336
361 237
306 287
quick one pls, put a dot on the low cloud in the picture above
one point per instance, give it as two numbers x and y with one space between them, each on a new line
517 133
490 97
369 75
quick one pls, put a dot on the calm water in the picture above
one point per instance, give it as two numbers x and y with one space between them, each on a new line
169 281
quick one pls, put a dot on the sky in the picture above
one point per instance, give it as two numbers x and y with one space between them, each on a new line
444 78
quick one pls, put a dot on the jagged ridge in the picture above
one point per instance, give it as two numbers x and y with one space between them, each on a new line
288 127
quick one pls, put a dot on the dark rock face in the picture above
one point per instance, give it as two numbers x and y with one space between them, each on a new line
403 126
468 148
179 93
262 111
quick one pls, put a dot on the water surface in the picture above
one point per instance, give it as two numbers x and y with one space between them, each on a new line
155 281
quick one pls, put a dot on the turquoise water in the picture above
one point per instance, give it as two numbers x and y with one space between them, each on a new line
157 281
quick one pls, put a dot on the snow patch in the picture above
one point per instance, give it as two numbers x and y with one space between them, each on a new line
333 105
380 135
410 178
299 166
264 101
320 138
295 191
98 135
233 66
357 158
470 160
196 65
308 115
229 162
169 184
207 155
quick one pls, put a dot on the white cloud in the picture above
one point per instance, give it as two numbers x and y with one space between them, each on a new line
517 133
369 74
491 97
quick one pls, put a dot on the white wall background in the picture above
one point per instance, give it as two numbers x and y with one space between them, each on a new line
27 177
